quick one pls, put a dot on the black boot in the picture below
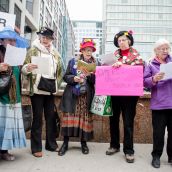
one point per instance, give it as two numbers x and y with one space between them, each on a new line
63 149
156 162
84 147
64 146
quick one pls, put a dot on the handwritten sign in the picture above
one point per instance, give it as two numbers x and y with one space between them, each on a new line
7 19
122 81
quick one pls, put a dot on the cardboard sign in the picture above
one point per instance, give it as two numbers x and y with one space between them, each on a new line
7 20
123 81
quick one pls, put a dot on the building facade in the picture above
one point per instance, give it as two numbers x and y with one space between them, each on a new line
149 20
33 14
88 29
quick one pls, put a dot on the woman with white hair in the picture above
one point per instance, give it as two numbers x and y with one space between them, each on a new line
161 100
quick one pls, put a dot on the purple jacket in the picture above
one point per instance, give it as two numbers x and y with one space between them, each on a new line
161 92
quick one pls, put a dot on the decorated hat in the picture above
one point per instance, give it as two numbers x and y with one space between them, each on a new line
45 31
87 42
128 34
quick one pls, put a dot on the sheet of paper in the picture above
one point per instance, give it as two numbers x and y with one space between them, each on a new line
7 19
14 56
108 59
167 69
43 65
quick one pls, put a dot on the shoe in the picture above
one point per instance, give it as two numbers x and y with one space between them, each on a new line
63 149
53 150
7 157
84 148
169 159
38 154
129 158
111 151
156 162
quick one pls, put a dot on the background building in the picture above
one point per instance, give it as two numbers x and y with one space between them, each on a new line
88 29
149 20
33 14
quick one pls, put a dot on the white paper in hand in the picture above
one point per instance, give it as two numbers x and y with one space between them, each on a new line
167 69
108 59
14 56
43 64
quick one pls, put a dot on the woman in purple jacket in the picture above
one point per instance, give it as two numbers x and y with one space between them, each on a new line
161 100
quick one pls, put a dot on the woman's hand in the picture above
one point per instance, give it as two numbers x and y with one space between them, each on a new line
30 67
117 64
157 77
77 79
3 67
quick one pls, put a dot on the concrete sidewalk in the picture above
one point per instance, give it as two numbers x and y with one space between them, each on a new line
75 161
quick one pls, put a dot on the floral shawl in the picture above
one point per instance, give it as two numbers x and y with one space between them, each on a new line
133 57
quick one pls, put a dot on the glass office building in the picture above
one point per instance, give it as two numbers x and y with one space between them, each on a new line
148 19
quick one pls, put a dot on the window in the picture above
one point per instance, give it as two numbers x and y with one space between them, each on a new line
4 5
42 7
29 6
17 12
48 18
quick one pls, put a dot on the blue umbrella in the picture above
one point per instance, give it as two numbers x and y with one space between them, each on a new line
9 33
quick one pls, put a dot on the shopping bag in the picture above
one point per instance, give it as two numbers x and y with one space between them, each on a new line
101 105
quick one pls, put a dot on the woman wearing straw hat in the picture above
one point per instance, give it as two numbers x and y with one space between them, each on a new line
12 133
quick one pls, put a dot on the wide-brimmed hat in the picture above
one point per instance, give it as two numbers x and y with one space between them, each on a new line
87 42
45 31
9 33
128 34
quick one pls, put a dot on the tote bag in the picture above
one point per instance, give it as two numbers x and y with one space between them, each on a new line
101 105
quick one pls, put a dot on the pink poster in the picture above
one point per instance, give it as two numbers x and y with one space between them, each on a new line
122 81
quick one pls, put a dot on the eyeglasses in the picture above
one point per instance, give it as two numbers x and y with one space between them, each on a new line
122 40
164 49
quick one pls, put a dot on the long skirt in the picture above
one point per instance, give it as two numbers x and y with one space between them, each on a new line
12 133
80 123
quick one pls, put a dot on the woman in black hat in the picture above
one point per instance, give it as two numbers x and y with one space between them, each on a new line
125 55
41 99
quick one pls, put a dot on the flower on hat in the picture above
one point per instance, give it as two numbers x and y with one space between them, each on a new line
130 31
126 33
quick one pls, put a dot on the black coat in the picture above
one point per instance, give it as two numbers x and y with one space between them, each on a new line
68 101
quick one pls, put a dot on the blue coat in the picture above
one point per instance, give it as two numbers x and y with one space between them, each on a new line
161 92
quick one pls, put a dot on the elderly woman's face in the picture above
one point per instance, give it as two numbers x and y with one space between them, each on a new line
123 42
87 52
162 51
45 41
9 41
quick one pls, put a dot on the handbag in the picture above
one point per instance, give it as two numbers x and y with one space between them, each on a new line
57 121
27 117
101 105
46 84
5 81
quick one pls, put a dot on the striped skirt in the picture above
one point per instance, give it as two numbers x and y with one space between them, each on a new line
78 124
12 133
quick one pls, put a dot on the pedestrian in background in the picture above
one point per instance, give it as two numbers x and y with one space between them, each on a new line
12 133
125 55
43 101
161 100
76 100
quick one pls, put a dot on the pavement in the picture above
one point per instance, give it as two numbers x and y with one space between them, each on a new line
75 161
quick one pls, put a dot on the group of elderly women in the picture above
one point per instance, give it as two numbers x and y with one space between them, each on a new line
76 119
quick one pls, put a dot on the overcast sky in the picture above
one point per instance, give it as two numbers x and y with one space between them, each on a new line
84 9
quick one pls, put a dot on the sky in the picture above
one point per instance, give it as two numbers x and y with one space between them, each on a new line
85 9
